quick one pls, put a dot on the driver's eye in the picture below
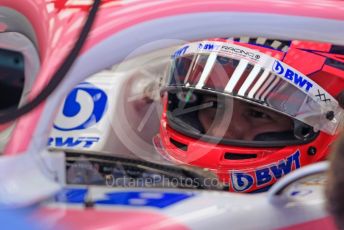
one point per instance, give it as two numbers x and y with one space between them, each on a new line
258 114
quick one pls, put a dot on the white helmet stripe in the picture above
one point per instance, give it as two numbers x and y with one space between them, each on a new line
261 40
207 68
275 44
266 84
194 60
258 83
251 77
285 48
273 84
244 39
239 70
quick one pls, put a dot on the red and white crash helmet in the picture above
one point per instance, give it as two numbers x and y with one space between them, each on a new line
252 111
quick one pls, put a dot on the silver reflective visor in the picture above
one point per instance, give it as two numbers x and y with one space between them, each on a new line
253 76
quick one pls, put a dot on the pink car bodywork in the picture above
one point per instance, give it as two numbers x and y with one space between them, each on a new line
56 25
61 24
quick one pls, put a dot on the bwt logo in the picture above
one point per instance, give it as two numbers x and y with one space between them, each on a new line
180 52
208 46
84 106
242 181
63 142
290 75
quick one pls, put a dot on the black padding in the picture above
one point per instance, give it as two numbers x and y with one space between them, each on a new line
275 136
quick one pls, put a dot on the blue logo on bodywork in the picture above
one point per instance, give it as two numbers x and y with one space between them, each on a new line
74 104
71 142
128 198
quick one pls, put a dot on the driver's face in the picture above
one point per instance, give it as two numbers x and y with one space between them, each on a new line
247 120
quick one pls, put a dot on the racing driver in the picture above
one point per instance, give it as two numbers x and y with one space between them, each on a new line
252 111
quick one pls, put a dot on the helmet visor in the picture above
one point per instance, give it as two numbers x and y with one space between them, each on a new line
256 78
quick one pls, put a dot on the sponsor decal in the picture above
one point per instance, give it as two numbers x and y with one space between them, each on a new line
128 198
64 142
322 97
290 75
240 52
84 106
180 52
208 46
243 181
